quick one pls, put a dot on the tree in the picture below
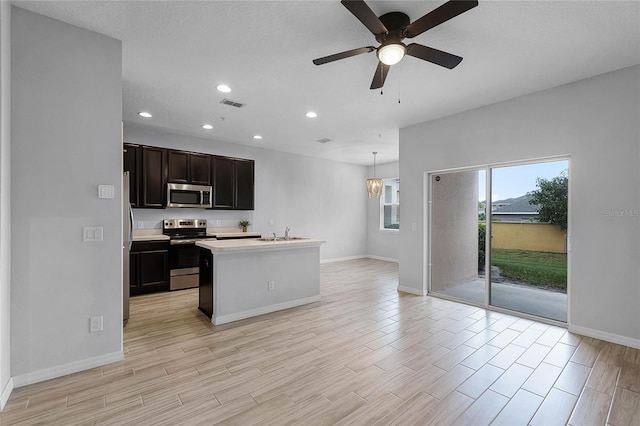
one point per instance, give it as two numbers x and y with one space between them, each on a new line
552 197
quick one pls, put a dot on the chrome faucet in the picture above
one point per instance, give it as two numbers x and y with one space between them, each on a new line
286 233
274 236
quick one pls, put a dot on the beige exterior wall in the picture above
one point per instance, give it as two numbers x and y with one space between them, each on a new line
528 236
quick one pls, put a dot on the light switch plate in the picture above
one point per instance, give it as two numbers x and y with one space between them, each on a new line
106 191
92 233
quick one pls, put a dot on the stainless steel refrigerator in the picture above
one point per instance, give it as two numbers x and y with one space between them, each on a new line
127 237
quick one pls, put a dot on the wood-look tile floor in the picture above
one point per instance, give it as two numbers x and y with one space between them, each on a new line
365 355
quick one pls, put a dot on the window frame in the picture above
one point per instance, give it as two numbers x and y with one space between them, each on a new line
383 204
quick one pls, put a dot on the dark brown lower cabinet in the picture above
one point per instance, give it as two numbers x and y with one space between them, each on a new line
149 267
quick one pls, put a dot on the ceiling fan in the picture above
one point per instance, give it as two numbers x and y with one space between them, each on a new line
391 28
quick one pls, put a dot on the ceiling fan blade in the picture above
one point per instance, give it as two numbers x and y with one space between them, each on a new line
434 56
361 11
343 55
379 76
449 10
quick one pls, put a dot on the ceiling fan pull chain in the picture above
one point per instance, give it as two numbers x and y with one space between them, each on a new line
399 82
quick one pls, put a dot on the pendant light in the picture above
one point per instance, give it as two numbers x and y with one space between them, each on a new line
374 184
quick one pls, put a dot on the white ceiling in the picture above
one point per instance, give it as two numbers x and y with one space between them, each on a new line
176 52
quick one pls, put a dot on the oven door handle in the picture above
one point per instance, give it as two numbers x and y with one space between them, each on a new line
179 242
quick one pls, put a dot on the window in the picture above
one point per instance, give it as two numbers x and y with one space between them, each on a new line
390 205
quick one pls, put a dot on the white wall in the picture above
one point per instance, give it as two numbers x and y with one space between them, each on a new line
5 202
316 198
595 121
383 244
65 124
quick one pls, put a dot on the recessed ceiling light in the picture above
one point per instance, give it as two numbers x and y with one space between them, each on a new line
257 137
223 88
145 114
207 126
311 114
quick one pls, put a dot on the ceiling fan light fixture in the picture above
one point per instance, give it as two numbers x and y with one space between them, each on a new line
392 53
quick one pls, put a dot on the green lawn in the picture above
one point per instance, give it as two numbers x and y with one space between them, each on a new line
533 267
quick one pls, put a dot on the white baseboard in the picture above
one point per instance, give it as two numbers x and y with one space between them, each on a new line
606 336
63 370
363 256
341 259
412 290
386 259
264 310
6 393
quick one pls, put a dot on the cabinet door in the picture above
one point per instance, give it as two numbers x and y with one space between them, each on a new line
153 271
177 166
223 183
134 274
154 177
244 184
200 169
131 159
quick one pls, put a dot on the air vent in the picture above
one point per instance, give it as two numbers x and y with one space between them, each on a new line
232 103
324 140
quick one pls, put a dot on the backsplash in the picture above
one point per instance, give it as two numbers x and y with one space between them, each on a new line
152 218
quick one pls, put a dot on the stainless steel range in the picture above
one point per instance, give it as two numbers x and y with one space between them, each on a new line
184 255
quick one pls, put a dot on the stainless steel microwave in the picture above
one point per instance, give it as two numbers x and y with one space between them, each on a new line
185 195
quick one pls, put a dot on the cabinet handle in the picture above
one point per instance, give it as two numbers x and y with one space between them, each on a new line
206 263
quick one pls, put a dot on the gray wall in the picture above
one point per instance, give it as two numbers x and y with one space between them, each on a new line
383 244
314 197
67 110
595 121
5 202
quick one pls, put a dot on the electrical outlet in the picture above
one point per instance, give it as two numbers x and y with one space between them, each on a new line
270 222
218 223
414 226
271 285
140 224
95 324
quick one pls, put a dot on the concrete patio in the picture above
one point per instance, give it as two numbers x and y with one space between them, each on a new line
516 297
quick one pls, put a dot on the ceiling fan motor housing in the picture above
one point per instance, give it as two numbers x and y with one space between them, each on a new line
395 22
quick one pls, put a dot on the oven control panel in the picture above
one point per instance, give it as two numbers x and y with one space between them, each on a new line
184 223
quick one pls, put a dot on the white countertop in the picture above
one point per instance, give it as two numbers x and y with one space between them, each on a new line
157 235
226 246
151 237
235 234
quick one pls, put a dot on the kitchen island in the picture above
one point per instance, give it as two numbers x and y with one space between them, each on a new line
245 278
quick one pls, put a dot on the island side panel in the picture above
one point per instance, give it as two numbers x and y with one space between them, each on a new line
241 281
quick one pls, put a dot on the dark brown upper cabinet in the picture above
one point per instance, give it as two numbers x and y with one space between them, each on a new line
233 183
131 154
244 184
200 168
177 166
151 168
153 175
188 167
223 183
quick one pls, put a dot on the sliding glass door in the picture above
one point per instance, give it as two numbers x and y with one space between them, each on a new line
498 237
457 251
528 244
